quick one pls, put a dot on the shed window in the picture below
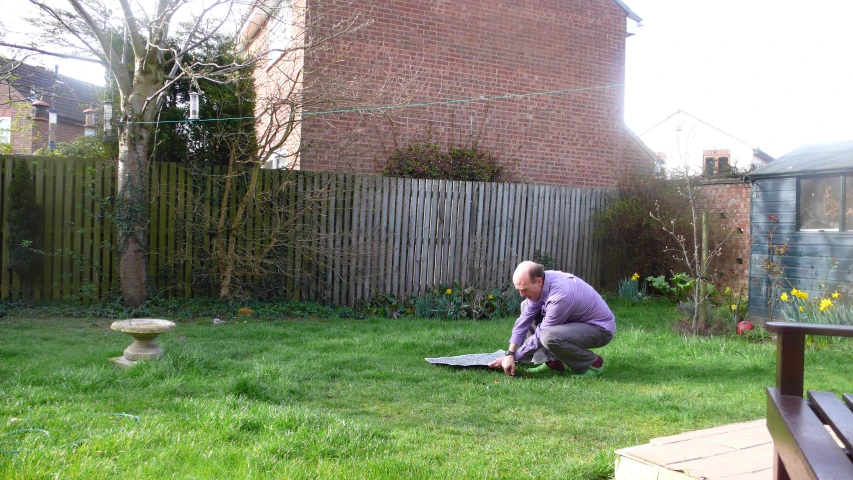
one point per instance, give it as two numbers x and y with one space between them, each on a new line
826 204
848 202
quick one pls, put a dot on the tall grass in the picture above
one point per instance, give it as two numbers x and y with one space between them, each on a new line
354 399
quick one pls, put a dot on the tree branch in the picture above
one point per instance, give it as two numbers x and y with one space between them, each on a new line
53 54
118 71
137 43
70 29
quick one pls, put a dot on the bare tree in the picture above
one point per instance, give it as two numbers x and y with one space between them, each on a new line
288 88
686 229
161 55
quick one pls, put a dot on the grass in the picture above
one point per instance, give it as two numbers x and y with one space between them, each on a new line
345 398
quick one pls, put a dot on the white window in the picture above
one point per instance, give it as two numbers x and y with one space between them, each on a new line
280 31
279 158
5 129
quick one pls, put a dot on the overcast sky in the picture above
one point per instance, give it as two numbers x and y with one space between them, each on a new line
774 73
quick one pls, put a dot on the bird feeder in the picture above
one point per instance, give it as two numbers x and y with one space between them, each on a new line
108 116
193 105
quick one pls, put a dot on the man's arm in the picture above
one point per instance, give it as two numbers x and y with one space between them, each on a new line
556 313
507 362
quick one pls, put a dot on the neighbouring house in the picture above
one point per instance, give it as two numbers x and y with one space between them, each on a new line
802 228
686 145
30 94
541 82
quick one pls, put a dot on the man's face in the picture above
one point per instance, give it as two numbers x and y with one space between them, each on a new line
527 289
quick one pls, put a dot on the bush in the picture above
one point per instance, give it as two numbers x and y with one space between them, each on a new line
631 237
89 147
425 159
449 303
179 309
25 220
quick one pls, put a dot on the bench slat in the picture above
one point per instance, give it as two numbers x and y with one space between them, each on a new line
848 400
835 414
810 329
805 447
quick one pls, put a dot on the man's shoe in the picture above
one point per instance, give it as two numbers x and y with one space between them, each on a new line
590 372
539 369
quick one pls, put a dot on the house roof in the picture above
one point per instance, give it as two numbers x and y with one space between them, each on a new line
682 112
264 9
68 96
628 11
640 142
835 157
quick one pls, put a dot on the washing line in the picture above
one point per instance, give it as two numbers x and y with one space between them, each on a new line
395 107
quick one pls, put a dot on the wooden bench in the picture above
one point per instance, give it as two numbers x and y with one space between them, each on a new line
804 448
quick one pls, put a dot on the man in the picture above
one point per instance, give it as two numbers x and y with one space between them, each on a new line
564 318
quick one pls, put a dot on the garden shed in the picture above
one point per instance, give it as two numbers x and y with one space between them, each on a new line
802 230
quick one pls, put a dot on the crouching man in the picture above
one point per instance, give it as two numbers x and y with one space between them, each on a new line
562 318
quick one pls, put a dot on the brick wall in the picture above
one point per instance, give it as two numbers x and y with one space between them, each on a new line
67 132
466 49
728 203
28 135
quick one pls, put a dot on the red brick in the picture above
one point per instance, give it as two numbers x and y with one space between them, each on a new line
469 48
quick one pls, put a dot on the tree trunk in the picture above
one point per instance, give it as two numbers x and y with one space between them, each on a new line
132 212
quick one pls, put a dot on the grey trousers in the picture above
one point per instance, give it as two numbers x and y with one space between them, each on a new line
570 344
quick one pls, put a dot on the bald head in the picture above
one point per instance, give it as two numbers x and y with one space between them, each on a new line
528 280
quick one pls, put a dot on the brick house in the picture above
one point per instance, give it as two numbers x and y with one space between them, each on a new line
27 96
465 55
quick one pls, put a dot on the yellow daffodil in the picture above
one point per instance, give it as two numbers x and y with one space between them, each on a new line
800 294
801 308
491 297
734 307
635 277
448 291
824 304
784 297
835 294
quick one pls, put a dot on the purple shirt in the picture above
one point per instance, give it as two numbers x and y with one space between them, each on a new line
565 299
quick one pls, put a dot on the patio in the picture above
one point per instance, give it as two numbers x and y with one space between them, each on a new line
739 451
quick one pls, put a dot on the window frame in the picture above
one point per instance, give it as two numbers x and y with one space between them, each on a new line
842 223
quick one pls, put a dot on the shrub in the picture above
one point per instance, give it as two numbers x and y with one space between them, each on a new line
470 161
630 235
545 259
449 302
25 220
89 147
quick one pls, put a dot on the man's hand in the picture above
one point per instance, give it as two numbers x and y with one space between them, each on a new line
507 363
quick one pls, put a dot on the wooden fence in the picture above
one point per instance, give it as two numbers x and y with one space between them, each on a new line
348 237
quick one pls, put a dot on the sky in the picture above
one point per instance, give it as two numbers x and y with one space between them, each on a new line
773 73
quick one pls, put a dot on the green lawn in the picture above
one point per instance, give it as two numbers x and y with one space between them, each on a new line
355 399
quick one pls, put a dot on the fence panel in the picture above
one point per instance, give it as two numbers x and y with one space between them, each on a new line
350 237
